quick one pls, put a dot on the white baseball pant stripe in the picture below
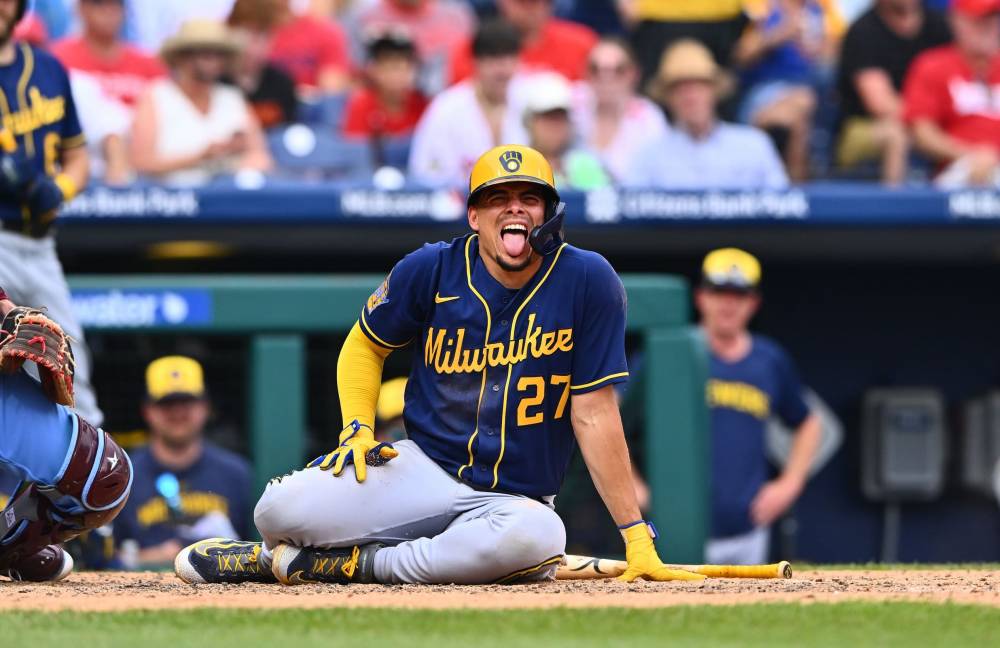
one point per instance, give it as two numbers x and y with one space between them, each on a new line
31 274
440 530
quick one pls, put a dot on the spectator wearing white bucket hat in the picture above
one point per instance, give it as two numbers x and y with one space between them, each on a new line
548 120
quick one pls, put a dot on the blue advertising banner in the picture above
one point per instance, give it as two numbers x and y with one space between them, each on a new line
143 308
283 202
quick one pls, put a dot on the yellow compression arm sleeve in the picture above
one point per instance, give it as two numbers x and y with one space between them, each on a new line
359 377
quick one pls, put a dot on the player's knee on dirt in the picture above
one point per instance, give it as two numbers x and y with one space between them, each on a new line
528 535
286 509
310 506
90 492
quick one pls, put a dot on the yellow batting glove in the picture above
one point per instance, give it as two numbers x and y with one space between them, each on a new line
358 446
640 554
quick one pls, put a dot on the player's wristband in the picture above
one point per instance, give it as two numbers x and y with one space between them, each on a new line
354 427
67 185
649 525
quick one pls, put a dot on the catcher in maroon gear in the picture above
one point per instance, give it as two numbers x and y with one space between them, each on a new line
74 477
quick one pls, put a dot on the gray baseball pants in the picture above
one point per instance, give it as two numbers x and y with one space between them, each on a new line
31 274
439 530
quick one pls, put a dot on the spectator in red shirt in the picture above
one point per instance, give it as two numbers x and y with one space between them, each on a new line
547 43
108 76
390 103
950 98
311 49
123 71
437 29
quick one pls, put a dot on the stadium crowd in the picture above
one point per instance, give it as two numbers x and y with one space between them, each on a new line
685 94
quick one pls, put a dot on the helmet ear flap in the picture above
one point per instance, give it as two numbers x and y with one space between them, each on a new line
547 237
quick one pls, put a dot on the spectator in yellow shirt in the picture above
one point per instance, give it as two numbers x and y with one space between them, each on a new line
656 24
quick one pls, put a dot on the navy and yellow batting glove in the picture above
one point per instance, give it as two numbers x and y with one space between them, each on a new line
359 447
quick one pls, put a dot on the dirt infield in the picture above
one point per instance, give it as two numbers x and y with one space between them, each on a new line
131 591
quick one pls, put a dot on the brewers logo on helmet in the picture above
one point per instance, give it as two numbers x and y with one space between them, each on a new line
516 163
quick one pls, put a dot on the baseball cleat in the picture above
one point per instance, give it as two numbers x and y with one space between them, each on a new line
51 564
300 565
219 560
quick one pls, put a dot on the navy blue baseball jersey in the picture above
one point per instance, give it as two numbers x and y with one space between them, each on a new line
742 396
37 107
488 396
218 481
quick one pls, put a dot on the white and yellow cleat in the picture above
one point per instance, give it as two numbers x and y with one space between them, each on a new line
220 560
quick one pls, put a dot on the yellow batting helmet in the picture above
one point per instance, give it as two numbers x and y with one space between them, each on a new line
516 163
511 163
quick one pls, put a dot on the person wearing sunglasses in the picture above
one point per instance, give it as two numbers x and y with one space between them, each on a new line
612 119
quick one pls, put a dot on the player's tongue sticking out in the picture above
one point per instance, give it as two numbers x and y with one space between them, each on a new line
515 239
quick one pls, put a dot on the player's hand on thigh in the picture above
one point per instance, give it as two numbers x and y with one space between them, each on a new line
358 447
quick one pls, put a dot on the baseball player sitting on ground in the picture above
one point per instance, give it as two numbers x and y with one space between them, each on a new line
73 476
521 338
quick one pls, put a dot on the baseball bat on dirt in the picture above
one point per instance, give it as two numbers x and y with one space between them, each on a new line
588 567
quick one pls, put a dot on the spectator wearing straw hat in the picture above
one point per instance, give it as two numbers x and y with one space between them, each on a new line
190 127
700 151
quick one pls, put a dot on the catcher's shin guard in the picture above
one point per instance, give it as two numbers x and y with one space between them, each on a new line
89 494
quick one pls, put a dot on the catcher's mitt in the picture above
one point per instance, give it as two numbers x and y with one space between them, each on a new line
27 334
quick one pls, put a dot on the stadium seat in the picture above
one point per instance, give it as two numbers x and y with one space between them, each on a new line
301 151
395 151
327 111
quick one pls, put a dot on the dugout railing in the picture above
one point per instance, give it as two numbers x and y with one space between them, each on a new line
277 313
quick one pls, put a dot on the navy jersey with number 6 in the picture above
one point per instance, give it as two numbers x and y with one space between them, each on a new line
37 107
494 370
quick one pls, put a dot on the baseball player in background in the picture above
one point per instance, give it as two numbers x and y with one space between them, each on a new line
43 163
519 340
751 378
73 476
